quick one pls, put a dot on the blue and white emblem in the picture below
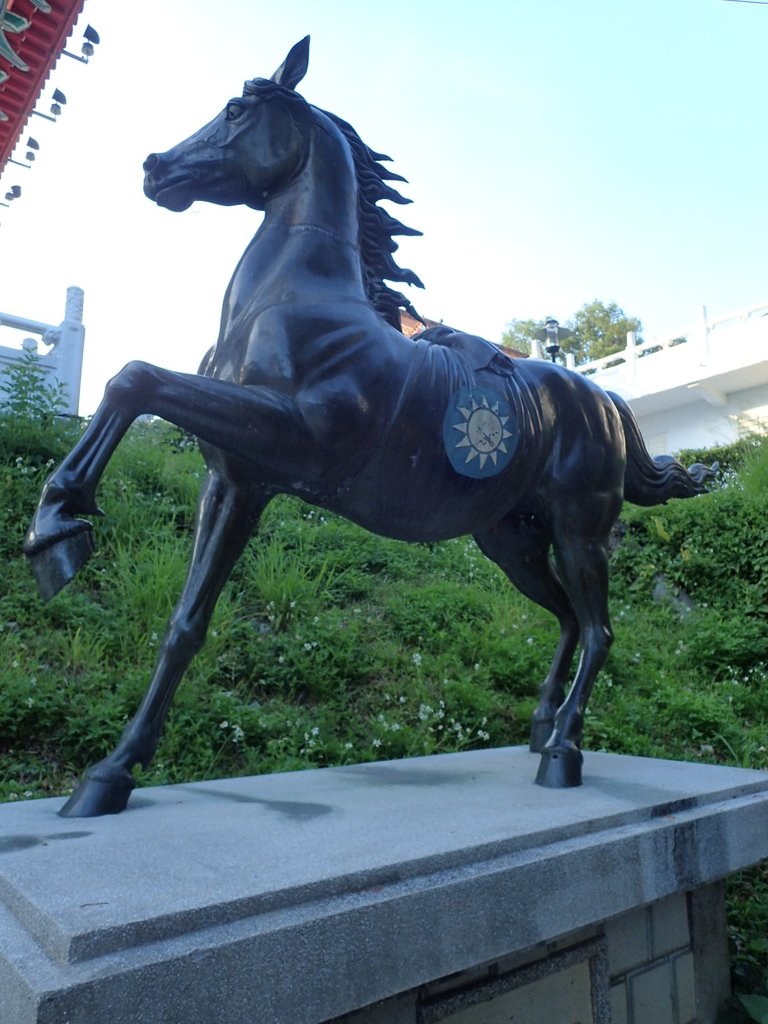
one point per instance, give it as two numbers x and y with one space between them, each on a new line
476 432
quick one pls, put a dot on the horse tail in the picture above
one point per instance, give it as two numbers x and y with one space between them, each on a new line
653 481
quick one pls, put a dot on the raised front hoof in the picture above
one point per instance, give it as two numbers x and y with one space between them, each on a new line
560 768
541 730
99 794
58 563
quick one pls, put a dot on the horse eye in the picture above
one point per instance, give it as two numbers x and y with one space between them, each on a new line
233 111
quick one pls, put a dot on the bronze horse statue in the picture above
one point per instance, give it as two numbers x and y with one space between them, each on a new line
312 390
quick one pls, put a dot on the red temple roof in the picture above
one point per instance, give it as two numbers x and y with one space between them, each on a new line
32 35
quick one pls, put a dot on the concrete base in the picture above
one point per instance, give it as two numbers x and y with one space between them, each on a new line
298 898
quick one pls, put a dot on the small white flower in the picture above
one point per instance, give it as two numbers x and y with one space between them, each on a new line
416 658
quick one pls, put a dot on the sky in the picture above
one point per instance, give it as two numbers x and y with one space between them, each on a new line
557 151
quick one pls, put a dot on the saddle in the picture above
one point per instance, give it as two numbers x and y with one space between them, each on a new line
482 354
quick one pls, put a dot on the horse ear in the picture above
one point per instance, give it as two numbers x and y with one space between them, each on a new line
294 67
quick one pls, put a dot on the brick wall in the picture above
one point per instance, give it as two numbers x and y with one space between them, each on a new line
664 963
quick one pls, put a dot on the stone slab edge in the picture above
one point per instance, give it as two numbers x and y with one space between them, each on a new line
308 963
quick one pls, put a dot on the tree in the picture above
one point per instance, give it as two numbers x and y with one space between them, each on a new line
519 334
598 329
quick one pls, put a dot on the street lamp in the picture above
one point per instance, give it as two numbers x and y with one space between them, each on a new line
91 39
32 146
59 99
550 334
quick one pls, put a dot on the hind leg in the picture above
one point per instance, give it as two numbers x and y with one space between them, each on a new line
520 546
582 563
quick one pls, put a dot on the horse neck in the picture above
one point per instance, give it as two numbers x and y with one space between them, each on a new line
309 237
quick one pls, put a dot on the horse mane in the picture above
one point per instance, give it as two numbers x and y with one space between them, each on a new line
377 228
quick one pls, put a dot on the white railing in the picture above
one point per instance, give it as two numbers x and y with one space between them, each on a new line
736 339
63 360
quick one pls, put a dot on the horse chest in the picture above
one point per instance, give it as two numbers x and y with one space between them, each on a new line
251 352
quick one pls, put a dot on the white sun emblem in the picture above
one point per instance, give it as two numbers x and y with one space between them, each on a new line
483 431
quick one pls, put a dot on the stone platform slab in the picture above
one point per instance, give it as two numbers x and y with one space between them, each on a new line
295 898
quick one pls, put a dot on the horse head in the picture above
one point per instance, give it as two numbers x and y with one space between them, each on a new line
270 143
252 148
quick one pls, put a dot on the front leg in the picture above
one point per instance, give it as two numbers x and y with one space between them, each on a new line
58 542
227 516
260 426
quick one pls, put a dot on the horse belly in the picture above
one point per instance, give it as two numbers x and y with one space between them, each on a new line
417 501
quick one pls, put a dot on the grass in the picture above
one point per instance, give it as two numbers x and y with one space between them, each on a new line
330 645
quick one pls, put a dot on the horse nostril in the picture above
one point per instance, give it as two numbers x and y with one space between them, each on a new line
151 162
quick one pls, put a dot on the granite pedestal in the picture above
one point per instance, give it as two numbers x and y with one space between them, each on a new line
303 897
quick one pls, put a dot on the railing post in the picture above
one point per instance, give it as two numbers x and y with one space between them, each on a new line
64 361
68 348
630 357
705 330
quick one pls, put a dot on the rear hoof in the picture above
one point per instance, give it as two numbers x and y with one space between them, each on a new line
541 730
99 793
55 565
560 767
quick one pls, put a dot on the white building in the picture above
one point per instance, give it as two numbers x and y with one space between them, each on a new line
706 385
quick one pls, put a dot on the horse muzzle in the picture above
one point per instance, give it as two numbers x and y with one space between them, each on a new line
163 186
